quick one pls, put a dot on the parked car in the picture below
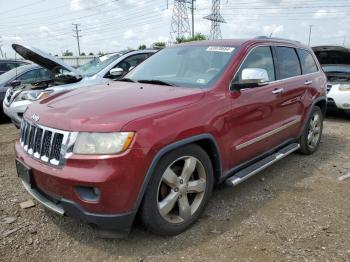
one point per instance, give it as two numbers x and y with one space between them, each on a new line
98 71
335 61
26 76
156 142
8 64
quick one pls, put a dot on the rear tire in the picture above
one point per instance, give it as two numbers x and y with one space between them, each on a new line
178 191
311 136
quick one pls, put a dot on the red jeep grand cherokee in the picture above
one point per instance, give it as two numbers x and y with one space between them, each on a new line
156 142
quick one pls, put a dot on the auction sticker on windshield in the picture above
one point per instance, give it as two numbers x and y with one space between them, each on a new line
224 49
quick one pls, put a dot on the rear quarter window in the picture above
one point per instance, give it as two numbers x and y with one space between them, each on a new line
307 61
288 62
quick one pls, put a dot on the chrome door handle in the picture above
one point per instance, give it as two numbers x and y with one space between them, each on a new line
308 82
278 91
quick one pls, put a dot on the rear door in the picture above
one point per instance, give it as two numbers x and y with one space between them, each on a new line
292 91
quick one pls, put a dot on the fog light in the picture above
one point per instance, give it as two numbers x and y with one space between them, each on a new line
88 193
346 105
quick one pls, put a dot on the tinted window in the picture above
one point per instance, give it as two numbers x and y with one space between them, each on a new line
29 77
260 57
288 62
132 61
43 75
307 61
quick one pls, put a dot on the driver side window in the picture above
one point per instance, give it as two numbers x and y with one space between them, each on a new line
29 77
261 57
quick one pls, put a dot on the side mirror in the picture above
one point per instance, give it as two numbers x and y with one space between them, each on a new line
252 77
116 71
15 83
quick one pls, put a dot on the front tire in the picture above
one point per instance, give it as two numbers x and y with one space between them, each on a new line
311 137
178 191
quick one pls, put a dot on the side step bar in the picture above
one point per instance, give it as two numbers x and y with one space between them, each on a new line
250 171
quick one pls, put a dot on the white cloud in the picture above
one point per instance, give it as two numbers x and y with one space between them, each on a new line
273 30
75 5
45 32
321 14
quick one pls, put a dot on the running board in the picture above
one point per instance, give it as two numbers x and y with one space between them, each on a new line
250 171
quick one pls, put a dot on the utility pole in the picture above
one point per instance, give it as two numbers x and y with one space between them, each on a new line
2 55
216 18
76 30
192 11
310 32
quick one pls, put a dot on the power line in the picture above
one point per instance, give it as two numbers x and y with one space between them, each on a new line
76 30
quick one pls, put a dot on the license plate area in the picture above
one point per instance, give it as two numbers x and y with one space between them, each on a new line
24 172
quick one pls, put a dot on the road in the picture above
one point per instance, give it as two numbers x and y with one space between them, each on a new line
296 210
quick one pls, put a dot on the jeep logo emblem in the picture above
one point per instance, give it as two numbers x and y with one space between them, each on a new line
35 117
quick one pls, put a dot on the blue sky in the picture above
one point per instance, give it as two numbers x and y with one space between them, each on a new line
111 25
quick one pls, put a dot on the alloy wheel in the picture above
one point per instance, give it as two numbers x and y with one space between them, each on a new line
181 189
314 133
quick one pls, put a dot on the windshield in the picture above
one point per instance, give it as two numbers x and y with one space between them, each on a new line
336 69
96 65
187 66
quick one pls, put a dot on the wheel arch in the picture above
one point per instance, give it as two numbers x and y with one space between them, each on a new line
205 141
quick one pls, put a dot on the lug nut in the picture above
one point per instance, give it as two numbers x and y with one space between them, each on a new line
176 189
181 181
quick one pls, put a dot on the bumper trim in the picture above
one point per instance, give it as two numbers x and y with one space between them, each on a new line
107 225
42 200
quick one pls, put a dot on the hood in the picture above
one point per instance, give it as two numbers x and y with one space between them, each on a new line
109 107
45 60
332 55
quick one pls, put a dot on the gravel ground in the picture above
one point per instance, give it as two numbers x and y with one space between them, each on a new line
296 210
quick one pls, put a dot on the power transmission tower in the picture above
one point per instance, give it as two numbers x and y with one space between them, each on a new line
216 18
76 30
180 24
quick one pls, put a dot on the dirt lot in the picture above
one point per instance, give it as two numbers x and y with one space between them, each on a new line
297 210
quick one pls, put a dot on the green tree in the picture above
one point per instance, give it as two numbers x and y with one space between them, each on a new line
83 54
91 53
67 53
197 37
142 47
159 45
100 53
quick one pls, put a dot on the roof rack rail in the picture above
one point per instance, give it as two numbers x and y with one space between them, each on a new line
276 38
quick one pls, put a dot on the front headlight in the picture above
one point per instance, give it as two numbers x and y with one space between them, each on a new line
32 95
344 87
102 143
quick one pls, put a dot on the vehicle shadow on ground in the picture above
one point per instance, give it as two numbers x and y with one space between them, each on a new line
227 209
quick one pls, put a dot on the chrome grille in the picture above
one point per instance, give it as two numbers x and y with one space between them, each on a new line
46 144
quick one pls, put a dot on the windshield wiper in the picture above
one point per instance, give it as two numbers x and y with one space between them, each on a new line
155 81
126 80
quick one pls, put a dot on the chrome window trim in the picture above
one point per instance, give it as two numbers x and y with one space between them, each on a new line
279 80
266 135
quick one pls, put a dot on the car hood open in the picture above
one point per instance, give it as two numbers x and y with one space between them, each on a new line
109 107
332 55
45 60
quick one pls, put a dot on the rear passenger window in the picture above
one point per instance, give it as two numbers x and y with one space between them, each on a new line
260 57
288 62
308 64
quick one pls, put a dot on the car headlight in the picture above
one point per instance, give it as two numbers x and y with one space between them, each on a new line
32 95
344 87
102 143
